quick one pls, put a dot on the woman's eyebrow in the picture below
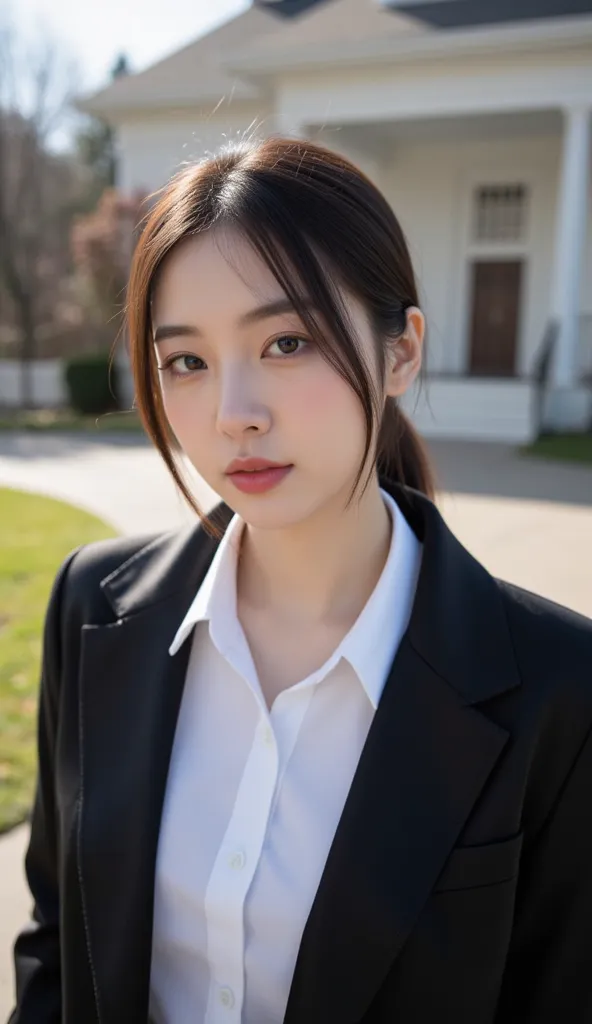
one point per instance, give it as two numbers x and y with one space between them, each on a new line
175 331
268 309
264 312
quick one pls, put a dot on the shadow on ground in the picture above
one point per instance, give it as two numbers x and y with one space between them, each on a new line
484 468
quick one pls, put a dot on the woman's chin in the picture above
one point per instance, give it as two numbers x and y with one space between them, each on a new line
272 510
269 514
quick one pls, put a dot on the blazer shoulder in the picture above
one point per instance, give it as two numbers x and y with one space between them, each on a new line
552 643
540 613
553 708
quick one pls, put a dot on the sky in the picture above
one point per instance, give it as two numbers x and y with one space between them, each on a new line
94 34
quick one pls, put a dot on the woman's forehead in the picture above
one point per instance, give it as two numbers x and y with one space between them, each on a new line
223 250
220 274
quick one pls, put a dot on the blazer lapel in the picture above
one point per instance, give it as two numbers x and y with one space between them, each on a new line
424 764
130 693
427 758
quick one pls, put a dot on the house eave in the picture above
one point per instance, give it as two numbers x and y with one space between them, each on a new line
120 109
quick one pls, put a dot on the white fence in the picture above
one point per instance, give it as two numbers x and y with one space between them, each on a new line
47 383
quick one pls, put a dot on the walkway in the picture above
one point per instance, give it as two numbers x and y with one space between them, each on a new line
529 521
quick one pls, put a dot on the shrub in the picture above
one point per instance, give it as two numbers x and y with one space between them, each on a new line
92 383
102 245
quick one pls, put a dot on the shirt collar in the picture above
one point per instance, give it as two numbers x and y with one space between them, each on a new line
215 601
374 638
371 643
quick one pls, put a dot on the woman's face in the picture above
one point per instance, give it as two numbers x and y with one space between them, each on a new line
241 380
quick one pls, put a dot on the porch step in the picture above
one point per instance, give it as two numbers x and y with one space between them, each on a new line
474 409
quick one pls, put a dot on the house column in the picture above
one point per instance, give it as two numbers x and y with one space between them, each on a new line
570 237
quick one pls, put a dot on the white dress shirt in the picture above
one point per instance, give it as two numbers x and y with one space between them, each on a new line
254 796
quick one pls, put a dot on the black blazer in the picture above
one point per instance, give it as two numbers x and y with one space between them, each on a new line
459 883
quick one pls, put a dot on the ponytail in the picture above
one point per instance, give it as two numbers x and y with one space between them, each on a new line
402 455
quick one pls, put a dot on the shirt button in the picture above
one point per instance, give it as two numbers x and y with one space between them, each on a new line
237 860
268 737
226 996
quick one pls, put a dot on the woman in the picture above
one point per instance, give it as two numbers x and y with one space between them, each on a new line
307 762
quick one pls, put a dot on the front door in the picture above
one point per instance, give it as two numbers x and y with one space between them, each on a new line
496 294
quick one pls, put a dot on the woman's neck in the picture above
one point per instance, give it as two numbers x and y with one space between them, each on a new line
322 570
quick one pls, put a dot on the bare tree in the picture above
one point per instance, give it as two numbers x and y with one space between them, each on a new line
95 146
36 87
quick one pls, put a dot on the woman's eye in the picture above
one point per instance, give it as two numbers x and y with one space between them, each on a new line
183 366
288 345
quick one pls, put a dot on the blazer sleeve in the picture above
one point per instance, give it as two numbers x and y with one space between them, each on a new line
548 977
37 948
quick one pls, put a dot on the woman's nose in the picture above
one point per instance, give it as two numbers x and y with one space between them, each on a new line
240 409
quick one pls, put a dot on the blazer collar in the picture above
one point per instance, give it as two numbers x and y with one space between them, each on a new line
458 624
167 566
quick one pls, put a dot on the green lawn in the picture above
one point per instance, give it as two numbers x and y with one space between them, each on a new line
36 534
65 420
565 447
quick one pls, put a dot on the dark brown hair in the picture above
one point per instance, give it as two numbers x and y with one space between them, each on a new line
317 222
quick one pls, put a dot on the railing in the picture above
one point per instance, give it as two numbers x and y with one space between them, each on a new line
542 372
586 347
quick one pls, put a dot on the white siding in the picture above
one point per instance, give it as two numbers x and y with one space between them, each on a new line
47 381
151 149
436 87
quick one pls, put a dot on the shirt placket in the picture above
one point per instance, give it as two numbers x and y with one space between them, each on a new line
232 875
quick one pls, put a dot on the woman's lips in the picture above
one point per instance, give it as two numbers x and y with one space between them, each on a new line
257 481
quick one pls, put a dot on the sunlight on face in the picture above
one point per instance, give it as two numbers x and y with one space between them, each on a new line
240 378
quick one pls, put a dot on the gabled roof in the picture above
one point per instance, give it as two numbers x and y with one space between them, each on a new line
195 74
335 21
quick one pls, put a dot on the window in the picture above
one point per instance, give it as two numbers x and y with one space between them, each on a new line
500 213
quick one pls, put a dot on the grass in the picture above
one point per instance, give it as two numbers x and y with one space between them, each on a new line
563 447
64 420
36 534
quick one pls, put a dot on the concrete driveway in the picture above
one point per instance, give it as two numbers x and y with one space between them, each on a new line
528 521
122 481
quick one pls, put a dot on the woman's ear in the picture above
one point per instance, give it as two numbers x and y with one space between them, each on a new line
405 355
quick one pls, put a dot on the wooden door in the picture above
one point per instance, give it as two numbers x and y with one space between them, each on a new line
497 289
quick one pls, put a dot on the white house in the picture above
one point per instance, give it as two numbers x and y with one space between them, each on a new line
473 116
